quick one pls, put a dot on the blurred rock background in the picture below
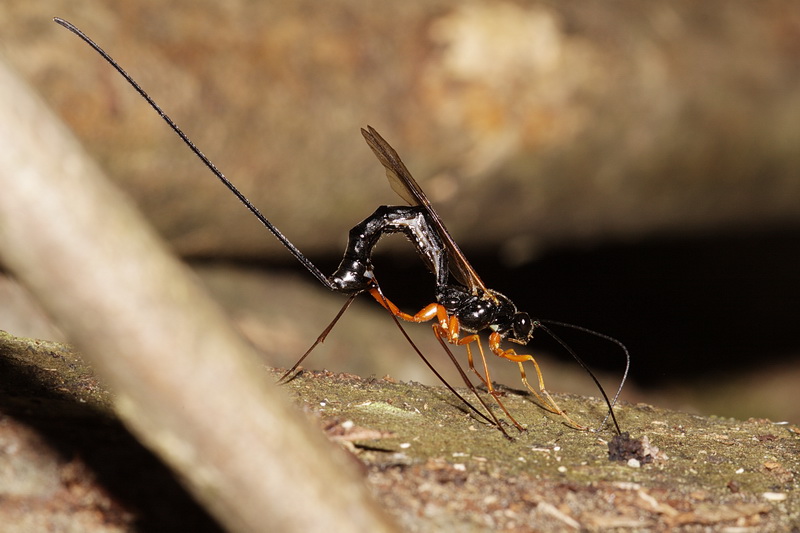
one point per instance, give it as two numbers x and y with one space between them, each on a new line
629 167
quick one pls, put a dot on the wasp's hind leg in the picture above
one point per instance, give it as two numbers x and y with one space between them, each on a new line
446 329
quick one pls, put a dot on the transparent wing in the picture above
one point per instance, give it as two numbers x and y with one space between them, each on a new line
409 190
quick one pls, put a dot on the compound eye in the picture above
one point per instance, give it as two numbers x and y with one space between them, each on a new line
522 326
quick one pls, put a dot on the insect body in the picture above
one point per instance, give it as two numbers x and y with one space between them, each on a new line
468 305
462 304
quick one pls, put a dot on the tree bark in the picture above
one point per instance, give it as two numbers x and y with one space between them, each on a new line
183 381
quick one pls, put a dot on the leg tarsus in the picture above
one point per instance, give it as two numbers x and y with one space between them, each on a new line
543 396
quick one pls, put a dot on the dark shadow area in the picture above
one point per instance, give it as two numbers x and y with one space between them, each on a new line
687 309
132 476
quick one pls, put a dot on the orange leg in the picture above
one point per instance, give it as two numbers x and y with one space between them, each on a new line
548 402
448 328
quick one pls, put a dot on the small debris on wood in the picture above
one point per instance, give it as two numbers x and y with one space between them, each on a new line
624 448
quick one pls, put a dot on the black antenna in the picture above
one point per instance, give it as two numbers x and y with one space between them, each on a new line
242 198
583 365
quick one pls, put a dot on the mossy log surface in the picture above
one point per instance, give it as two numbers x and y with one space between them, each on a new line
431 464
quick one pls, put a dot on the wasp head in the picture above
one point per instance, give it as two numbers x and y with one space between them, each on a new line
521 330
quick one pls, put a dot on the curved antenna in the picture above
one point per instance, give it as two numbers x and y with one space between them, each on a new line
609 403
242 198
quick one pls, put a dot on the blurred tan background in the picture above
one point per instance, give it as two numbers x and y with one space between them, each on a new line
630 167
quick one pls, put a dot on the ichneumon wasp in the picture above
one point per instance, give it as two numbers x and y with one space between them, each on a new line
463 302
